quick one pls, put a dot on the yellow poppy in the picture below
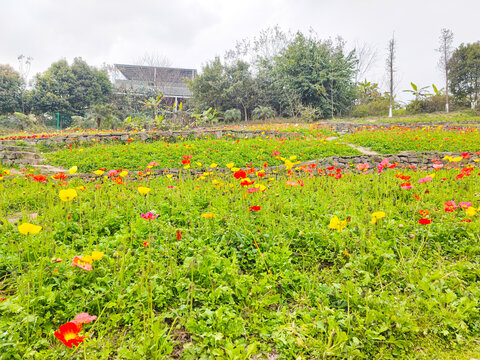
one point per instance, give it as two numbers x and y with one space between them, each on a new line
471 211
208 215
67 194
143 190
73 170
27 228
97 255
377 215
337 224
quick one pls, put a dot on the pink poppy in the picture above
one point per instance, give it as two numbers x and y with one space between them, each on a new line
406 186
450 206
149 216
362 167
77 261
84 318
425 179
465 205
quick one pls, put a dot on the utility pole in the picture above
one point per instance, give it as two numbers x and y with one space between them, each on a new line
445 50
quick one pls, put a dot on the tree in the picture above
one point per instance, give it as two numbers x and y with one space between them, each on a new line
10 90
367 56
70 89
464 68
445 50
241 89
24 64
391 70
210 87
320 73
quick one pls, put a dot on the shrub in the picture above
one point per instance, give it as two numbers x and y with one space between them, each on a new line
263 112
233 115
377 107
80 122
308 113
427 105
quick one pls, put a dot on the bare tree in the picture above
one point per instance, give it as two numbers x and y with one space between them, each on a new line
367 57
446 51
24 64
152 59
391 70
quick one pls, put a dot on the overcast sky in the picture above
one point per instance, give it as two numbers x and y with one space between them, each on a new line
189 32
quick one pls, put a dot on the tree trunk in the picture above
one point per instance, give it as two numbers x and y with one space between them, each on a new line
245 112
446 78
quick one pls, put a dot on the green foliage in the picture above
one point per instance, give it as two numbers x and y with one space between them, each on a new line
319 72
69 89
170 152
232 115
19 121
263 113
304 71
428 138
210 87
375 107
308 113
464 69
427 105
10 90
242 284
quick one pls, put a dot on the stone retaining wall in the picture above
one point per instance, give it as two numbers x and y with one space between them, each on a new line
339 127
146 136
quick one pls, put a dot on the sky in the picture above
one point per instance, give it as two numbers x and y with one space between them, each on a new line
189 33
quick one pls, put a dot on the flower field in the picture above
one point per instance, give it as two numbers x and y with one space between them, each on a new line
402 138
204 152
368 262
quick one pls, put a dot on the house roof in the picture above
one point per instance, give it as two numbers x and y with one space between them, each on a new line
155 74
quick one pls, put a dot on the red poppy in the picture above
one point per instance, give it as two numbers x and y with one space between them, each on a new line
424 221
60 176
254 208
68 334
417 197
184 162
240 174
179 235
40 178
118 180
247 183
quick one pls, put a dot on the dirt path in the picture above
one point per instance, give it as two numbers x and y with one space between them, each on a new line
363 150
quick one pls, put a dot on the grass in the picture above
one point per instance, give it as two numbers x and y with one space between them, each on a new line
229 272
431 138
204 152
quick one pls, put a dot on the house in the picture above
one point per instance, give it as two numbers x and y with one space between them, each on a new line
170 82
